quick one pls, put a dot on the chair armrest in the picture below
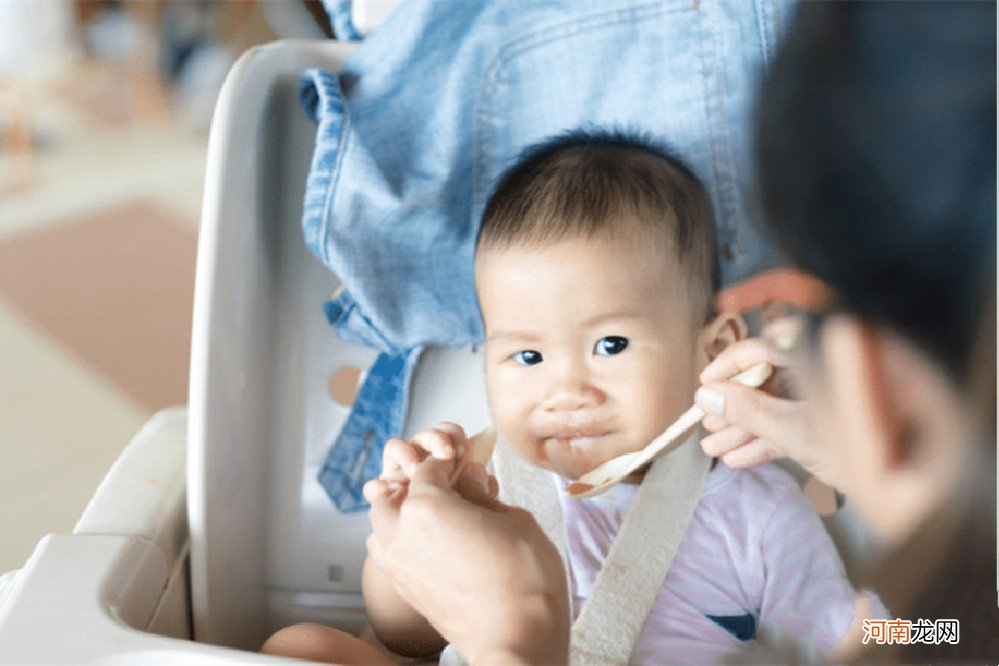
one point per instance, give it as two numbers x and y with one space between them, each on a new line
144 492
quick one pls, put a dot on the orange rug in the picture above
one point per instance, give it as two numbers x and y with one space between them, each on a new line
116 289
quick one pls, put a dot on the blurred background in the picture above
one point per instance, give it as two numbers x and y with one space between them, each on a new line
104 115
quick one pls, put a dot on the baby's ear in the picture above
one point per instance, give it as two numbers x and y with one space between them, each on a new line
720 332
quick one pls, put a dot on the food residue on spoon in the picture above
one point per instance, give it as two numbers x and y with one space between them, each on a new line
576 488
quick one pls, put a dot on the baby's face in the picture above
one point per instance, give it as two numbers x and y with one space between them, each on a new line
592 347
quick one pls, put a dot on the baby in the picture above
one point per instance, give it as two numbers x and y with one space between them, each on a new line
595 270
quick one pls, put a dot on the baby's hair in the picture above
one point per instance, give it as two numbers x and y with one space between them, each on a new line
589 182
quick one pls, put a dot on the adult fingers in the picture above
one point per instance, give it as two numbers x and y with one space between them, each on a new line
476 474
774 419
433 474
452 429
745 354
441 443
726 440
476 485
376 488
399 458
753 453
740 356
435 481
714 423
455 434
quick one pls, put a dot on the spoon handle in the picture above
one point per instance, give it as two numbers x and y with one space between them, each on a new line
602 477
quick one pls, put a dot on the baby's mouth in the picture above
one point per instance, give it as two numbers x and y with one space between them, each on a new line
577 439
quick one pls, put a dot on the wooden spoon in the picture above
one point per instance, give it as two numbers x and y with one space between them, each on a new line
615 470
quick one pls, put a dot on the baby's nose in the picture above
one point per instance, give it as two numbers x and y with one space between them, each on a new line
567 402
572 391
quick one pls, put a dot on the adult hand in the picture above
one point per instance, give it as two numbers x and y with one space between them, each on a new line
445 441
751 426
396 623
483 573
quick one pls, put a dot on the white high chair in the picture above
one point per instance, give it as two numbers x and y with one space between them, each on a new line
210 525
210 532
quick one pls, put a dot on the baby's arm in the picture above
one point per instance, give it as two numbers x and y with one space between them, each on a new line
398 625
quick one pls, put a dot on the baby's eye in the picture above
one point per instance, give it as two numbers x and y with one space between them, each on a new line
611 345
527 357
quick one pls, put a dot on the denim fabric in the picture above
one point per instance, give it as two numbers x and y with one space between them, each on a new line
436 103
378 406
341 21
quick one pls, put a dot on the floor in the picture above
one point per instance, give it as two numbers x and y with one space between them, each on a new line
98 232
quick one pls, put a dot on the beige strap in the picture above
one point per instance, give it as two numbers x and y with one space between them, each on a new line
636 566
529 487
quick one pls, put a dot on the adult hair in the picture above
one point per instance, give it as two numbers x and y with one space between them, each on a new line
587 183
876 137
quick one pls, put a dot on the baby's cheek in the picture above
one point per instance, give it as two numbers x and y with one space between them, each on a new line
504 413
527 447
664 399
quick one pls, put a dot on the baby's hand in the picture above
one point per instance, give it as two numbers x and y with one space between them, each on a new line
445 441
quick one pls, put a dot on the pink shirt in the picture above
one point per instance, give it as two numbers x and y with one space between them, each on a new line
755 553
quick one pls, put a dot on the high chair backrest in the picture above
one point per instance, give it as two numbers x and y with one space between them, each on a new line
267 547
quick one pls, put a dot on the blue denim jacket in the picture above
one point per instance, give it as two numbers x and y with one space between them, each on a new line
435 104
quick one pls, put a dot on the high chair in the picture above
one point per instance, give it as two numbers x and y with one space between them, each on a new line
210 525
209 532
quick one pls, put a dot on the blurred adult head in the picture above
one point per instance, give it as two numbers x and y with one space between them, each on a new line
876 144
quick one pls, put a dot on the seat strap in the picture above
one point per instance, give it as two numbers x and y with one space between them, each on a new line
636 566
531 488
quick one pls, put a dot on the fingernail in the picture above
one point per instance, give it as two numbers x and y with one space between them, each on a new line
710 400
460 451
